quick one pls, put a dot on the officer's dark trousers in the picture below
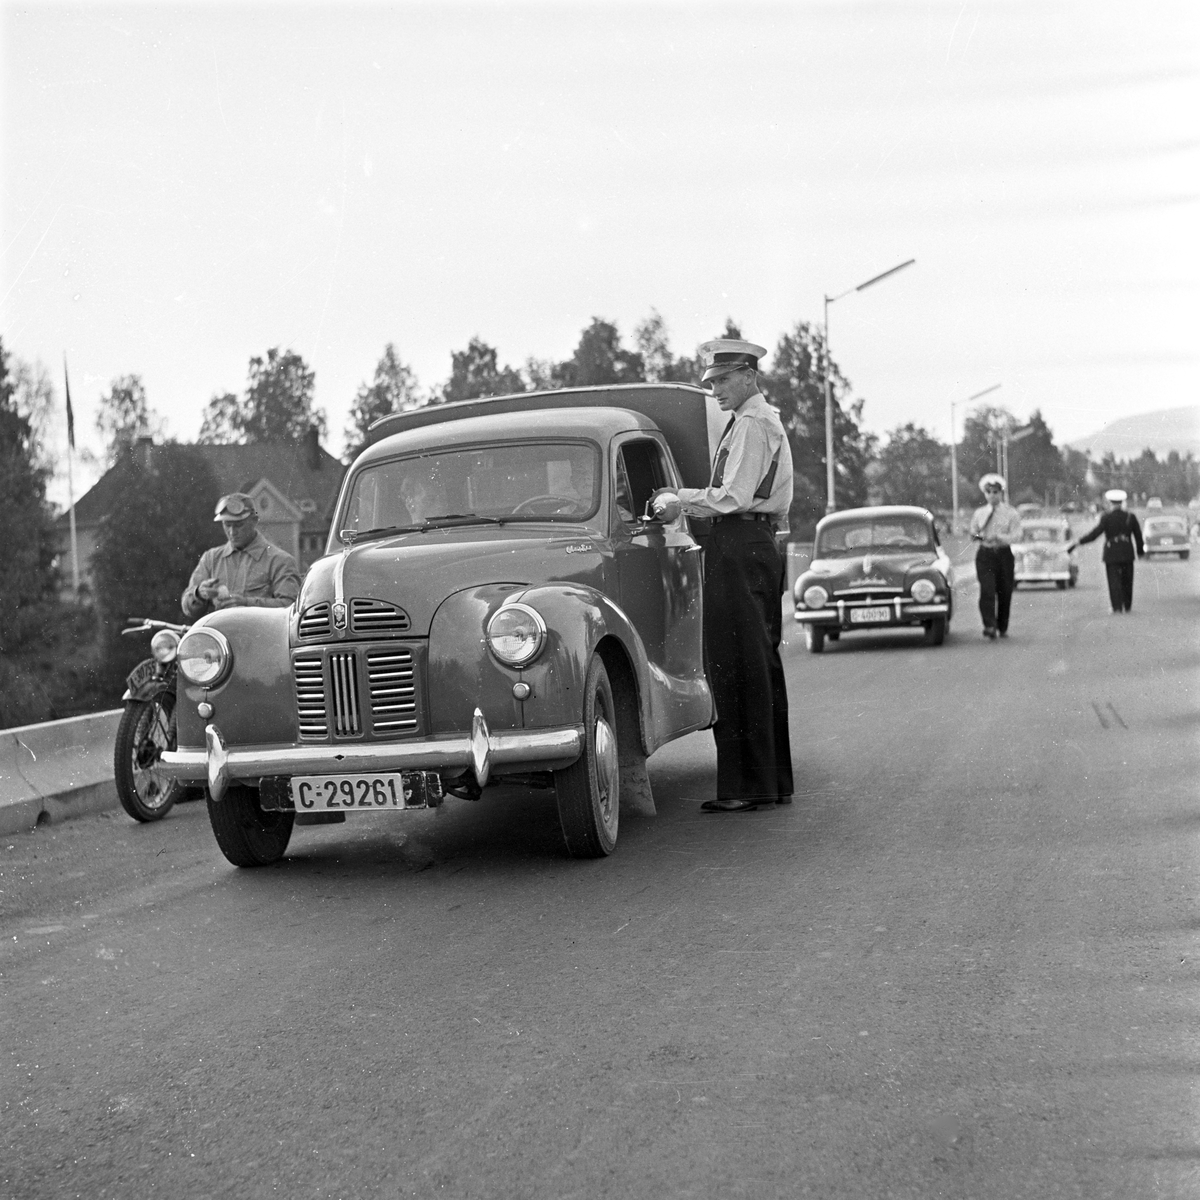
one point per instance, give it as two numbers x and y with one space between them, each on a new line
995 568
743 594
1120 585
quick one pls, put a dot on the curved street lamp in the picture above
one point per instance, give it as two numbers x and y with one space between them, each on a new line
830 504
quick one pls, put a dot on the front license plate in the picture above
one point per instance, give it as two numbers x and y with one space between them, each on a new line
365 793
1168 541
864 616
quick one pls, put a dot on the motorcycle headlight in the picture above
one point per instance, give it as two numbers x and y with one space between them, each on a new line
516 634
815 596
204 657
164 645
923 591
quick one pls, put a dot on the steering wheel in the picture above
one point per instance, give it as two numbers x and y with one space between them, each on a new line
563 506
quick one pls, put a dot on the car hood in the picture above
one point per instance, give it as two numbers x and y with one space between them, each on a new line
417 571
874 570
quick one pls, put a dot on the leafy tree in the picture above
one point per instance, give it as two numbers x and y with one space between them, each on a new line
277 407
659 364
140 573
599 359
796 385
27 581
34 395
394 389
914 469
475 372
1035 464
983 432
124 416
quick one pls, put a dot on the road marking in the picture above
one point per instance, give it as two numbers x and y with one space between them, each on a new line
1117 715
1096 709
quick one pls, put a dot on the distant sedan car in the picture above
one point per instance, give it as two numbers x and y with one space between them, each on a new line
1041 556
875 568
1166 534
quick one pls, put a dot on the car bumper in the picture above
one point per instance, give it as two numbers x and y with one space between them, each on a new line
481 752
1041 576
898 614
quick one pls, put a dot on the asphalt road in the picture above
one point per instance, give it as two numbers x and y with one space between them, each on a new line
961 965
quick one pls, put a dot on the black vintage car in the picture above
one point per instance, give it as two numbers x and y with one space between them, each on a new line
875 568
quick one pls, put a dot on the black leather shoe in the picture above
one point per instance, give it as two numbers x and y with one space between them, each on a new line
731 805
989 632
783 799
1003 633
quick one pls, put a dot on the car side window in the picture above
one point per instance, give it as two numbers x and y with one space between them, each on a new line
640 471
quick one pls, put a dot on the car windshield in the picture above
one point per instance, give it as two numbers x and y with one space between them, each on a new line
1164 525
869 536
1043 533
517 481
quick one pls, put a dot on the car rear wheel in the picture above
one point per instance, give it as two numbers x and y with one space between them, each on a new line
1183 555
248 836
814 638
833 634
1061 584
589 790
935 631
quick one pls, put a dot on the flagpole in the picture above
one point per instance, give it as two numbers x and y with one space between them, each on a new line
71 484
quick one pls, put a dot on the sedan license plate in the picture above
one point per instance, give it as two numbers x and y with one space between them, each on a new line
365 793
864 616
1168 541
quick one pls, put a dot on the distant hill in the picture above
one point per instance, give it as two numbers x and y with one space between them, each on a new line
1163 431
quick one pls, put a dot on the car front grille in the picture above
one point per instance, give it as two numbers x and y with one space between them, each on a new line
314 621
357 691
882 595
377 616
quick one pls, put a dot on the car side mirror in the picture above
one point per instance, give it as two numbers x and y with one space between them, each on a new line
664 506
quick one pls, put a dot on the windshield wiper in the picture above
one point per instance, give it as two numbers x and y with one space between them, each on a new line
354 536
459 519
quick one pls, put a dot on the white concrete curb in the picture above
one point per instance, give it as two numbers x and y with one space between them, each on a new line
57 770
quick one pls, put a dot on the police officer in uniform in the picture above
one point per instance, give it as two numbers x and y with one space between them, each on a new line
1121 534
995 526
747 500
247 570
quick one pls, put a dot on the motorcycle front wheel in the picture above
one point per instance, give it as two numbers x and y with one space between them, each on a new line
147 728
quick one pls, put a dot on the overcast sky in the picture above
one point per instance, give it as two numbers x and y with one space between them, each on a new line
185 186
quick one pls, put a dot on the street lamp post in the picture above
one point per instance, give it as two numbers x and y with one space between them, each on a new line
954 454
830 503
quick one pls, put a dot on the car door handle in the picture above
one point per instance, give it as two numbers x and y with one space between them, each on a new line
692 549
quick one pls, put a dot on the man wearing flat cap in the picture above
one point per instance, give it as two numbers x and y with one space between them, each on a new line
246 571
995 526
747 500
1122 534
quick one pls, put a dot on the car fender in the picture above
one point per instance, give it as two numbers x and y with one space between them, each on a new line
464 674
257 697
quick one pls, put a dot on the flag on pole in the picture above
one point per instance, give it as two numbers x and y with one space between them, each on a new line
70 410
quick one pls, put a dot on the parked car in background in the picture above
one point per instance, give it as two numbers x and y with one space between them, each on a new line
1166 533
1154 502
1041 556
872 569
495 606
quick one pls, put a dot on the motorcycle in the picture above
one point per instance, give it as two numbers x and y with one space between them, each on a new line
147 726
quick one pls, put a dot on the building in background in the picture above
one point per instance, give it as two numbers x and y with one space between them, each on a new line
294 485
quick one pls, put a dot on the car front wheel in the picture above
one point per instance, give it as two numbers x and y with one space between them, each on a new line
935 631
814 638
589 790
248 836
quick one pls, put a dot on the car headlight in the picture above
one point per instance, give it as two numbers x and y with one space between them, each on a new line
164 645
815 596
516 634
204 657
923 591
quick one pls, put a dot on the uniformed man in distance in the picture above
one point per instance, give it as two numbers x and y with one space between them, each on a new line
747 500
248 570
1121 534
995 526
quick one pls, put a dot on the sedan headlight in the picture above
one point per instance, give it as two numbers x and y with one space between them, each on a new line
204 657
923 591
516 634
815 596
164 645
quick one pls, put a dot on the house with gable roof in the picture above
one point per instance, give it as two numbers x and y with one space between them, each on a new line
294 486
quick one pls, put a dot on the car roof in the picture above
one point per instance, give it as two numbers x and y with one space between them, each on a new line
874 513
1048 522
596 424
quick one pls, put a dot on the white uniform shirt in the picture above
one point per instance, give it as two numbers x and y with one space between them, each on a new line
742 463
1004 527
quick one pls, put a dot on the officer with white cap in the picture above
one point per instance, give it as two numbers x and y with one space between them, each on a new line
747 500
246 571
1122 534
995 526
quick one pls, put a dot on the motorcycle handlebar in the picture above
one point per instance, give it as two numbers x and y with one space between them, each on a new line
145 624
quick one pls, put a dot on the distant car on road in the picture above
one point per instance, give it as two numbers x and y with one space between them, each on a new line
1041 556
1166 534
875 568
1154 502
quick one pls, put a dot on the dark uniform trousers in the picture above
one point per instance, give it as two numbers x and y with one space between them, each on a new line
996 571
743 625
1120 585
